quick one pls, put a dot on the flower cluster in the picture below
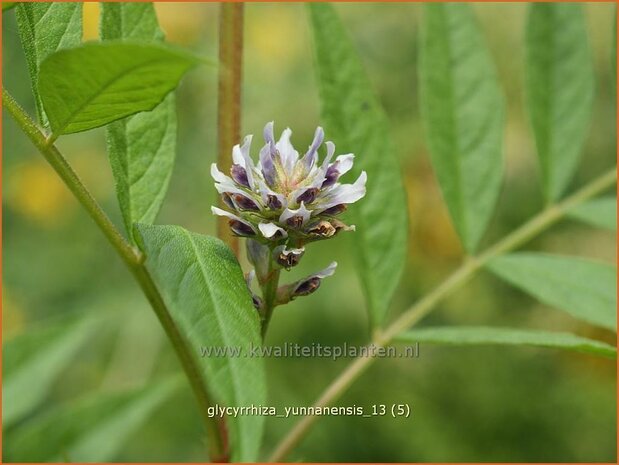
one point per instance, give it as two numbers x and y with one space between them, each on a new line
285 200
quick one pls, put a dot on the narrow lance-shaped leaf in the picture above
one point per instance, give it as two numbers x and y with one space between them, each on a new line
45 27
598 212
355 119
33 361
141 147
560 86
478 335
583 288
203 287
93 429
92 85
463 113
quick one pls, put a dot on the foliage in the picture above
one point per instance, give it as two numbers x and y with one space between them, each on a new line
127 84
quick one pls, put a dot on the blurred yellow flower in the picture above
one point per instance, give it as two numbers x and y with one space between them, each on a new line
90 21
182 23
277 45
13 317
35 191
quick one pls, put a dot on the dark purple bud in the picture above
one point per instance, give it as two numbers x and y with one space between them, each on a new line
331 176
323 229
239 175
241 229
290 259
257 301
307 287
308 196
228 200
244 203
336 210
295 221
273 202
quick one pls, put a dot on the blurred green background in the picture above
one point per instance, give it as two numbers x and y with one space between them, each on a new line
469 404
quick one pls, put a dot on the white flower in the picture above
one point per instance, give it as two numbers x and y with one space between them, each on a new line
286 198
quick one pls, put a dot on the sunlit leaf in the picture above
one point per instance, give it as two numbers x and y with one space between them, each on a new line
33 361
463 114
598 212
355 121
583 288
97 83
93 429
478 335
45 27
560 86
141 147
203 287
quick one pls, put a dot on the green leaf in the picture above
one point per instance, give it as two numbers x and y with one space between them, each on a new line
141 147
33 361
560 87
353 117
8 5
479 335
92 429
584 289
97 83
598 212
44 28
203 287
463 110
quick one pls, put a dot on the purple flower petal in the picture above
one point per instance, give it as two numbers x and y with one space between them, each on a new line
310 284
310 157
308 196
239 175
244 203
295 218
267 165
237 224
336 210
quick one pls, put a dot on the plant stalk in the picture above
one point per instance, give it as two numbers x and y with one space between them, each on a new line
229 99
133 258
425 305
269 294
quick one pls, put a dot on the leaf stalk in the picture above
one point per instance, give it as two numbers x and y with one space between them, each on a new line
536 225
133 258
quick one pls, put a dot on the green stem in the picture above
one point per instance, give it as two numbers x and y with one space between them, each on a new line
229 98
133 258
466 271
269 295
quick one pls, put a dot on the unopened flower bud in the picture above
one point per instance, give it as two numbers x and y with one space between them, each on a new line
305 286
288 258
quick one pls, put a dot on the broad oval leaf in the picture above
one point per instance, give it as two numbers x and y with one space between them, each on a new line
203 287
44 28
92 85
598 212
559 88
33 361
354 118
480 335
141 147
463 113
92 429
583 288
